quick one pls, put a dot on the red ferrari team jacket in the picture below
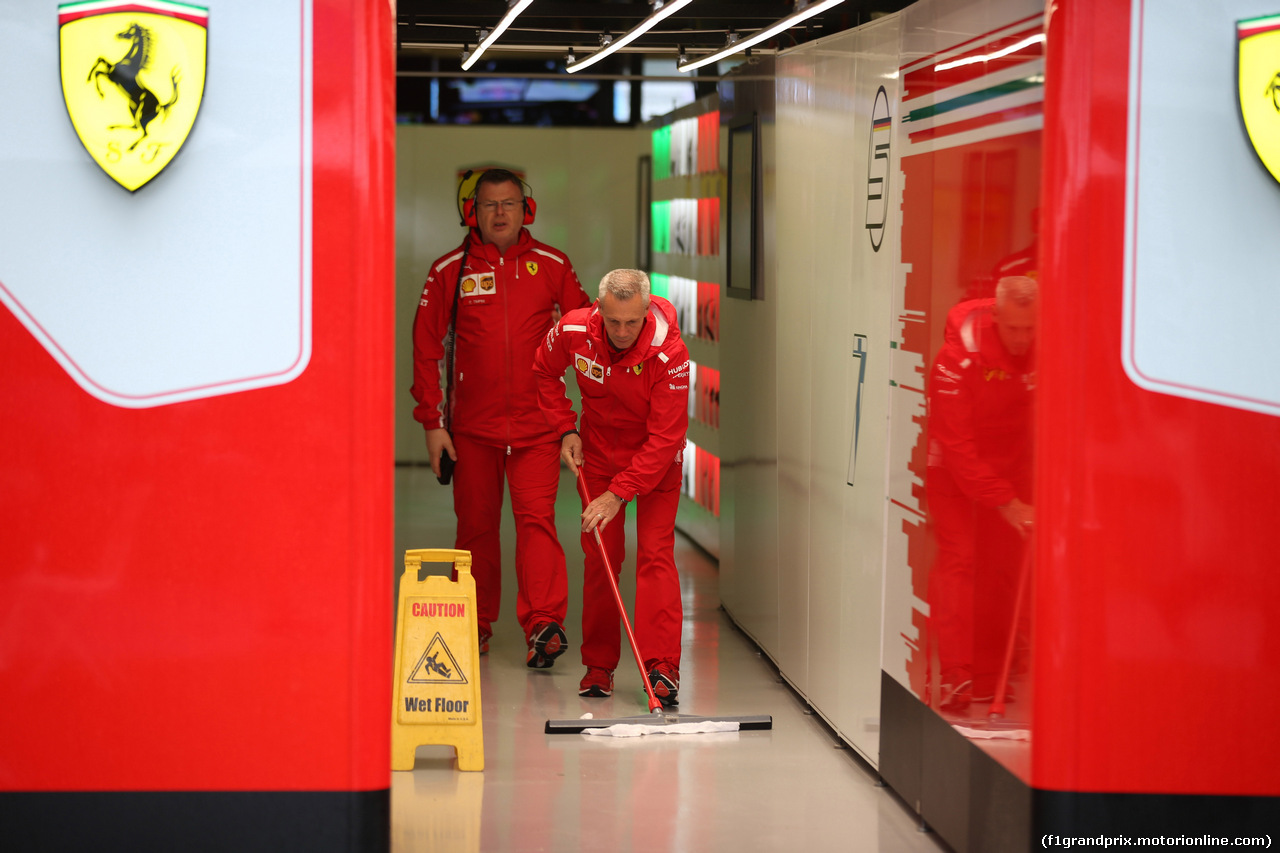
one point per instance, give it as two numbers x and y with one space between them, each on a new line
505 307
980 408
635 406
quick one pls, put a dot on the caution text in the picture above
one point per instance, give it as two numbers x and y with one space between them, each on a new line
433 608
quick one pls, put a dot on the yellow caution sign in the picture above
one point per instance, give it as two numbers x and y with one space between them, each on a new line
437 685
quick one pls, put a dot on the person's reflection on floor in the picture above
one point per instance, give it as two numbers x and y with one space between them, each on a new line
979 483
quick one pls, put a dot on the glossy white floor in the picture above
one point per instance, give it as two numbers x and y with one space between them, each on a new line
793 788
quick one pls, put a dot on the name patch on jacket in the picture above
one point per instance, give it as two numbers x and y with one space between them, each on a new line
587 367
479 284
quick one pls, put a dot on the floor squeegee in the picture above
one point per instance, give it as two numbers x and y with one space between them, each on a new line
657 716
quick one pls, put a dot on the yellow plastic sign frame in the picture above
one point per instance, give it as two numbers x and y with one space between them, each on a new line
436 692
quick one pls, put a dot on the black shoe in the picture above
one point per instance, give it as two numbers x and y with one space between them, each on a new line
546 643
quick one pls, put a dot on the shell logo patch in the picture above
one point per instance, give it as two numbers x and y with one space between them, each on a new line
1259 86
468 285
588 368
532 267
133 74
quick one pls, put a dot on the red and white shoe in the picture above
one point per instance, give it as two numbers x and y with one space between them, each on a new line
665 680
598 682
956 697
546 643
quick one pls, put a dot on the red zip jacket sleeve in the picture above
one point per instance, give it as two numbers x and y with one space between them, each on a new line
668 420
549 364
430 325
571 295
951 412
636 410
954 384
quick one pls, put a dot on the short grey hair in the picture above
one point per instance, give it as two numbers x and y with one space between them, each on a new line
624 284
1018 289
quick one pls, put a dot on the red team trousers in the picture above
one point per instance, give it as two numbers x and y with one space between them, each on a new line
533 473
658 610
972 585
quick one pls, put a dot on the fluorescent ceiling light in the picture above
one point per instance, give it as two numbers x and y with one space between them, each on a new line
516 7
769 32
661 11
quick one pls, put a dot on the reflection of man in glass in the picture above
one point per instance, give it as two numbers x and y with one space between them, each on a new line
979 482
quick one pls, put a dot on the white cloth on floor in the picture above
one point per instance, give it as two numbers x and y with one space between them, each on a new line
639 729
993 734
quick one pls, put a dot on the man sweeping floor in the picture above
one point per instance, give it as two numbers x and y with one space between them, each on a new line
632 369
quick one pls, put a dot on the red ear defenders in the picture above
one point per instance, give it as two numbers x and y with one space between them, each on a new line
469 212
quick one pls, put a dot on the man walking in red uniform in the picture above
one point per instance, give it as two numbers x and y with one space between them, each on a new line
633 371
979 483
499 290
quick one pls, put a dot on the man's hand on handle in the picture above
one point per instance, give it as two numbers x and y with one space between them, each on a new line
438 441
1021 516
603 508
571 452
601 511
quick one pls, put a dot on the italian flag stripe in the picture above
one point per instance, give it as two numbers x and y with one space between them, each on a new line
1257 26
68 12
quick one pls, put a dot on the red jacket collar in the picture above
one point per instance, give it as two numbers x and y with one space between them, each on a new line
476 247
971 329
659 328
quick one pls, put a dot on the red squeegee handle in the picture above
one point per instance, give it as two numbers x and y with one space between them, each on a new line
996 712
655 706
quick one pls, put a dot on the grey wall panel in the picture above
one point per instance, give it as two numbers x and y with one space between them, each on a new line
794 295
833 355
874 260
830 288
750 564
749 559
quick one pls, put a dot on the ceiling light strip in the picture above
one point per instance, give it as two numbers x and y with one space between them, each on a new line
769 32
516 7
661 11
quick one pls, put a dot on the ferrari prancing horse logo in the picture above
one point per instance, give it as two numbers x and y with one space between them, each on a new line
133 76
1259 86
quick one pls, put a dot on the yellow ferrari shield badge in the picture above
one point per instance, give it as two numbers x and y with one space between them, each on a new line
1259 86
532 267
133 77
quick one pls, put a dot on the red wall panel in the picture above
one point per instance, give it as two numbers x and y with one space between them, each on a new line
1156 642
197 595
